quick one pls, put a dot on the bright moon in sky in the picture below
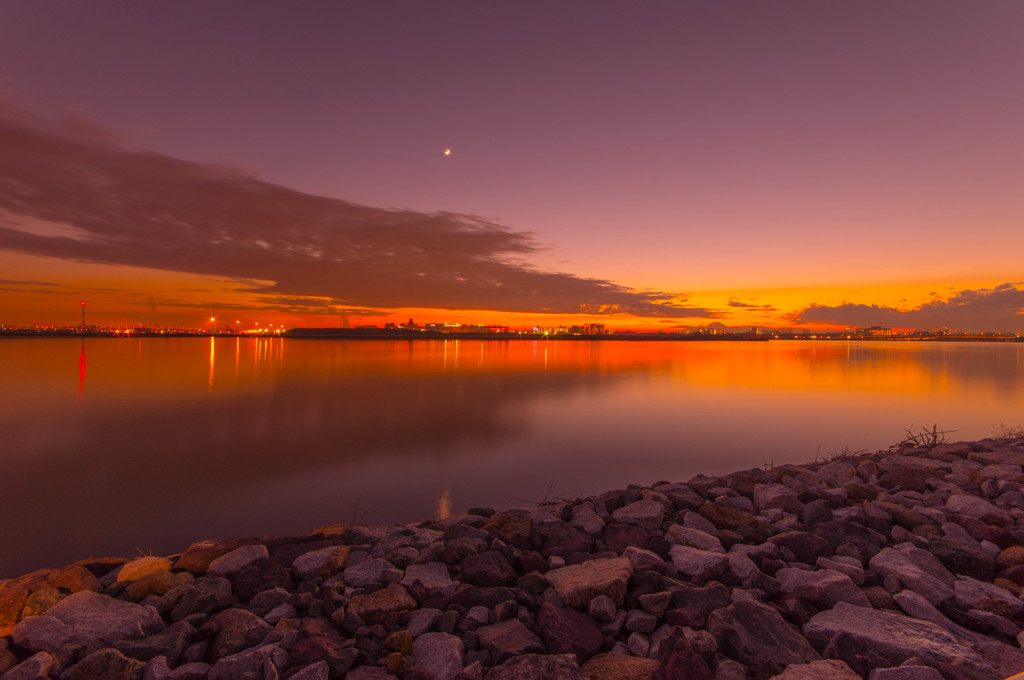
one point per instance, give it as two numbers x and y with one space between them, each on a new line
447 151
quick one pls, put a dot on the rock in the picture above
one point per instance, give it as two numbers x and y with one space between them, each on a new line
917 570
567 631
1010 557
680 660
578 584
905 673
818 670
108 664
537 667
618 537
487 569
807 547
757 636
558 538
15 593
724 517
963 558
440 654
247 665
644 514
978 508
374 607
584 517
322 563
823 588
370 673
867 541
602 608
157 583
232 630
142 566
895 638
700 565
620 667
422 620
205 596
693 538
237 559
971 593
319 640
430 574
638 644
406 537
35 667
750 576
767 496
83 618
371 572
169 643
508 639
314 671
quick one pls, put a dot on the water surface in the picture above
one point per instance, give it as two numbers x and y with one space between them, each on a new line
112 445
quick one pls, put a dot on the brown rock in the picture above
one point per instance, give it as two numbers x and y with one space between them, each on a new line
725 517
620 667
374 607
578 584
14 593
818 670
508 639
1011 557
510 526
157 583
142 566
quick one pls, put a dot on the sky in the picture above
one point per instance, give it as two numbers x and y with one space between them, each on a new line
644 165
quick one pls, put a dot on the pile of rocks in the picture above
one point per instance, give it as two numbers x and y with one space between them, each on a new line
900 565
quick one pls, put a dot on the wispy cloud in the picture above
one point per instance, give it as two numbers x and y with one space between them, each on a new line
988 309
80 196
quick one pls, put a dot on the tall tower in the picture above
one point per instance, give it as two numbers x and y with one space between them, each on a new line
83 316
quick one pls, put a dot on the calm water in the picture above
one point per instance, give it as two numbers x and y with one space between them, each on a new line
109 445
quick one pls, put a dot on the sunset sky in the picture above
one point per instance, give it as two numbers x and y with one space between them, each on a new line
642 165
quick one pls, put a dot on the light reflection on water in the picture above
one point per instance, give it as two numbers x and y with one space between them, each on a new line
112 444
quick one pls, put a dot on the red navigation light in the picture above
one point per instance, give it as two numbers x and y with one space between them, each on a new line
83 303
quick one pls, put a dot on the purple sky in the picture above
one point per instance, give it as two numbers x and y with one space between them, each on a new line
806 157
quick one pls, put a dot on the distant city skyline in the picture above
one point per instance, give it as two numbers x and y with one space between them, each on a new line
658 167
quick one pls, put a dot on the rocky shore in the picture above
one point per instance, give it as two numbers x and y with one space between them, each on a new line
897 565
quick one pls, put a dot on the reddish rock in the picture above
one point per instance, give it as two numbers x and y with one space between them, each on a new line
756 635
567 631
232 630
14 593
142 566
725 517
537 667
680 660
578 584
320 640
618 537
807 547
488 569
621 667
199 555
508 639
